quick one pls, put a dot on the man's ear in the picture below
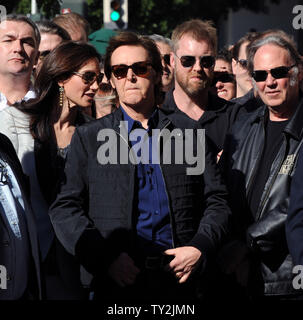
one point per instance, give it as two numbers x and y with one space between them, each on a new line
112 83
172 59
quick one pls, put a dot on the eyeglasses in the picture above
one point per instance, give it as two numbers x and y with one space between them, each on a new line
243 63
90 77
140 69
223 77
189 61
277 73
166 58
43 54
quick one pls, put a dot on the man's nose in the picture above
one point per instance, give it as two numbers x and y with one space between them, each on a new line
17 46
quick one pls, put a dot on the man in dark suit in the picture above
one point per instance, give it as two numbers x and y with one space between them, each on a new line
127 218
19 253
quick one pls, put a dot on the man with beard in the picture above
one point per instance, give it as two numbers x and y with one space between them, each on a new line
193 60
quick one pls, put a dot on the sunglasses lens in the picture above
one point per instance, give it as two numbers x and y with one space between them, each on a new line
187 61
243 63
120 71
89 77
166 59
207 61
100 78
43 54
140 69
259 75
224 77
280 72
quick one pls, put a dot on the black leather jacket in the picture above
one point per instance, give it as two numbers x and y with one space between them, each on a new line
263 233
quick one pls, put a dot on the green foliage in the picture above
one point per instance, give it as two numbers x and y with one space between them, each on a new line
48 8
95 14
149 16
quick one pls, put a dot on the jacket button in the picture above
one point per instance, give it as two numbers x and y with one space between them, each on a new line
5 243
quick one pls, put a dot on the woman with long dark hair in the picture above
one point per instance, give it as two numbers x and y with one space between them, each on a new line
42 129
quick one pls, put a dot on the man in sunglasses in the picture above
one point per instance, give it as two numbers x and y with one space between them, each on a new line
51 36
148 228
165 47
259 161
239 66
193 60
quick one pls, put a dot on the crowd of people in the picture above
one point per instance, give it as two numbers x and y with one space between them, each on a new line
85 210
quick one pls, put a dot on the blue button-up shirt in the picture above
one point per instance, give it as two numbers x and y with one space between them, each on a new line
153 225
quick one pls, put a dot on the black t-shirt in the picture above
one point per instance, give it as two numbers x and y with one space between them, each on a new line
272 144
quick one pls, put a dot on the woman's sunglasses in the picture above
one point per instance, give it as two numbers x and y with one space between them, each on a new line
277 73
223 77
205 61
140 69
89 77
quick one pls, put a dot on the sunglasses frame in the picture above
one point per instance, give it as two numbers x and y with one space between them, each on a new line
195 59
243 63
132 66
286 68
89 82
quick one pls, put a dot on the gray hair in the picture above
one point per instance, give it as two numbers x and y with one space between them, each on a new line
22 18
46 26
159 38
276 40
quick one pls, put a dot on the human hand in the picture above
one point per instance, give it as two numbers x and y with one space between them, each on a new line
186 260
123 270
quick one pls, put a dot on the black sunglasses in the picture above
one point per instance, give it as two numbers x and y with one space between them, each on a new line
223 77
205 61
166 58
89 77
243 63
43 54
277 73
140 69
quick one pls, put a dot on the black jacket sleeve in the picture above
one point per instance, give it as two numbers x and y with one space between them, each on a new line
214 224
69 214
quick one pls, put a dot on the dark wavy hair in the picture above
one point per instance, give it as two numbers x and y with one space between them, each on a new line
127 38
59 65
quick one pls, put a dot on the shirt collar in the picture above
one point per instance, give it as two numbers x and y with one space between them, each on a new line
134 124
29 95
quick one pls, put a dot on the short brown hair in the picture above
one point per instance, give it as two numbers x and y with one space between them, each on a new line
72 21
198 29
132 39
